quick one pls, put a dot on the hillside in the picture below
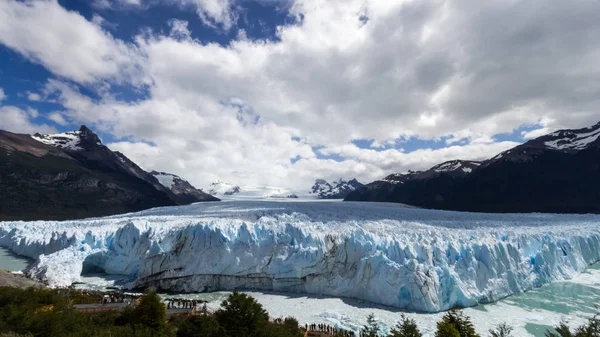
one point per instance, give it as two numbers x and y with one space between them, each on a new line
558 173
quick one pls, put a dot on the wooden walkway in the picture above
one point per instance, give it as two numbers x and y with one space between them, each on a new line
99 308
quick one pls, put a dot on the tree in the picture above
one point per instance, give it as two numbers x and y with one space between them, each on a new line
591 329
241 315
460 322
151 313
371 329
406 327
502 330
446 329
205 326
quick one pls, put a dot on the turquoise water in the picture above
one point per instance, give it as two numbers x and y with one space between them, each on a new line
12 262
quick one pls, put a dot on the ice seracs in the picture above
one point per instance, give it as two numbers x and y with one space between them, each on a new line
407 258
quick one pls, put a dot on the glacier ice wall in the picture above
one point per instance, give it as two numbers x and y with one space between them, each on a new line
408 258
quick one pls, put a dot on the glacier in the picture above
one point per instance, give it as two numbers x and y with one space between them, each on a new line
415 259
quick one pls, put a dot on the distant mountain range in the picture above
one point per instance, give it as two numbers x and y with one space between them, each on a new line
558 172
182 188
220 188
223 188
335 190
73 175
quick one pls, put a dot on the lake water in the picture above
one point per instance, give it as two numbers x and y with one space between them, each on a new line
12 262
530 313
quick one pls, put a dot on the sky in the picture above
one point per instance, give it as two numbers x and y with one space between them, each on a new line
280 93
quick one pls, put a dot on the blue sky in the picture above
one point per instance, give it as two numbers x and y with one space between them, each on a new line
284 92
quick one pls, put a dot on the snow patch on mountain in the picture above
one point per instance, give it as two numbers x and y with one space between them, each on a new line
335 190
220 188
165 179
570 140
66 141
455 165
407 258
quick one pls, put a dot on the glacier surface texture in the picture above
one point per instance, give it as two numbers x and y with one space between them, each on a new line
409 258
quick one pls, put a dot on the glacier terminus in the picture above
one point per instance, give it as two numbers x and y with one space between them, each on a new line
415 259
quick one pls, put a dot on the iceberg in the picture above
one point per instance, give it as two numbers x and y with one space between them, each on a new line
421 260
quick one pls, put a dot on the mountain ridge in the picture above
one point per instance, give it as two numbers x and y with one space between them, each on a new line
557 173
336 190
72 175
182 188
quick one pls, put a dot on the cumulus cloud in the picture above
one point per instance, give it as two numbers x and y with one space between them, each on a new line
65 42
57 118
214 13
17 120
179 29
32 96
2 95
461 71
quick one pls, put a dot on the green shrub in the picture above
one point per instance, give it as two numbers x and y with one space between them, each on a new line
241 315
446 329
406 327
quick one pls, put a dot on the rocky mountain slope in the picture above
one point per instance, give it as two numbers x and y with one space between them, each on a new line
186 192
558 172
72 175
335 190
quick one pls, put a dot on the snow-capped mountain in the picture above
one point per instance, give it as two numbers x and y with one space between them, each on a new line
222 188
453 167
73 175
66 141
335 190
558 172
406 258
249 192
563 141
182 188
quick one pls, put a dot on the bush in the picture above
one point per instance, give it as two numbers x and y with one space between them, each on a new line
405 328
502 330
151 313
591 329
241 315
446 329
371 329
205 326
460 322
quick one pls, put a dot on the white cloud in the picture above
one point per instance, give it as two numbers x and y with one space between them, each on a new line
18 120
349 69
65 42
32 96
214 13
57 118
179 29
2 95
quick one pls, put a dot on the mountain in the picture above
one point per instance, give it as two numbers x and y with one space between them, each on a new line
558 172
223 188
182 188
72 175
336 190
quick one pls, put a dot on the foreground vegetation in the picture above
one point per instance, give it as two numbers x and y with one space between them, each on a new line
44 312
